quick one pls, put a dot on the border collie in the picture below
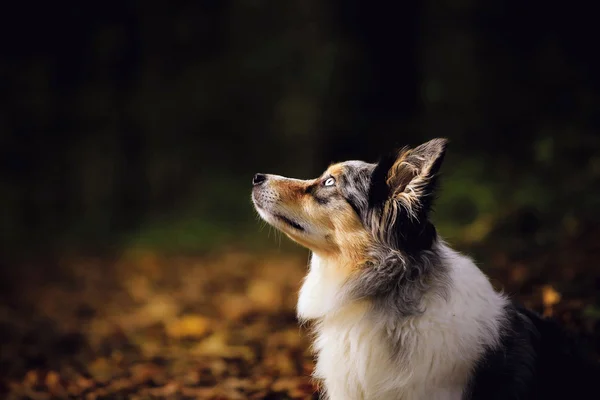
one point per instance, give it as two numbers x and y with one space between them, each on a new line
397 313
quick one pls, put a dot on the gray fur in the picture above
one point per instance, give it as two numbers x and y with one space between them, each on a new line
397 281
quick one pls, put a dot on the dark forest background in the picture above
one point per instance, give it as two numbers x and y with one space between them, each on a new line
132 264
144 121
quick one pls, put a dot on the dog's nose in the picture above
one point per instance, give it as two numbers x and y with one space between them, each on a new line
258 179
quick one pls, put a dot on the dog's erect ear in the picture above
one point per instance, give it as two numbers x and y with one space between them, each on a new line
409 177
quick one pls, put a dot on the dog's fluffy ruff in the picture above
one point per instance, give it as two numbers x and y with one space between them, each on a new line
438 349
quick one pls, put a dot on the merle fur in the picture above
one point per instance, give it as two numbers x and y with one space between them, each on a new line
399 272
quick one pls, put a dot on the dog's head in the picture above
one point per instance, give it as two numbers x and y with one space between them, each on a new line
355 206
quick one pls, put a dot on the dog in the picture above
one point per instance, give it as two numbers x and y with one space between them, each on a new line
396 312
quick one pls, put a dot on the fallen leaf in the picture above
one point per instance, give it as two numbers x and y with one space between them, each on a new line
550 296
265 295
192 326
234 307
101 369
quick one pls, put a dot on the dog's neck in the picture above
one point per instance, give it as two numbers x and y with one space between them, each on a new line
336 281
322 291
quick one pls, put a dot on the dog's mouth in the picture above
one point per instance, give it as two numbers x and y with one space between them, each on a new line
290 222
260 205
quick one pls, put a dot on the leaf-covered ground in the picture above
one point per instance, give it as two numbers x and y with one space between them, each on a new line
143 326
149 327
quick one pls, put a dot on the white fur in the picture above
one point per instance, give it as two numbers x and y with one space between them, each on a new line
439 348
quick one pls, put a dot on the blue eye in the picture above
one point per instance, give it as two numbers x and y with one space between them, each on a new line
329 182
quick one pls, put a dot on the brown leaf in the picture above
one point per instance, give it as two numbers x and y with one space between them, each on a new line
216 345
550 297
169 389
101 369
234 307
192 326
55 384
265 295
32 378
519 273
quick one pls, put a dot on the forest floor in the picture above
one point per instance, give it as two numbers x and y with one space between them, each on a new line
221 326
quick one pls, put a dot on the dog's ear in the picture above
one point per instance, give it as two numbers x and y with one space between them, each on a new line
409 177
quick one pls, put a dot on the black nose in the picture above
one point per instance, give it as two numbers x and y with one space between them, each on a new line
258 179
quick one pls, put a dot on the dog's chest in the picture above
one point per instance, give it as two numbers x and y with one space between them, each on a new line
357 361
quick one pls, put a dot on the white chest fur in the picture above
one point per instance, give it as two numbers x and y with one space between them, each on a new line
435 351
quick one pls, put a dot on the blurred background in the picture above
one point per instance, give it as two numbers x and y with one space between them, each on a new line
130 131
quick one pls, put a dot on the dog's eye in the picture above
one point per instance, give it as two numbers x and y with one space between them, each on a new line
329 182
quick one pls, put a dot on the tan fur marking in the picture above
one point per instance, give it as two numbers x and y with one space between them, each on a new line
352 238
291 190
335 169
401 172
